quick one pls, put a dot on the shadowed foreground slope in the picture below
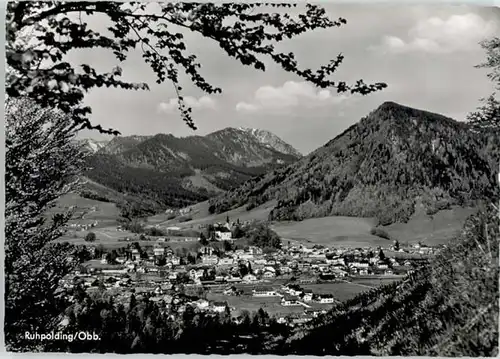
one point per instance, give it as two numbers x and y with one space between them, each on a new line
449 308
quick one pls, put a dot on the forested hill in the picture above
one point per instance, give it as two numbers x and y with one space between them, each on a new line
382 167
167 171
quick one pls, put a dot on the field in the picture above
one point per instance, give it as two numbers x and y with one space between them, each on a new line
431 230
201 216
103 212
341 231
375 281
341 291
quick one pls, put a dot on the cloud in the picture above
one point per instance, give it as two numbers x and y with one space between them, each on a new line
291 95
203 102
438 35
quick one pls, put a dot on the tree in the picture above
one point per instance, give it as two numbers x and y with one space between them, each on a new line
90 237
41 165
39 35
227 246
203 239
262 236
492 48
381 254
396 245
486 118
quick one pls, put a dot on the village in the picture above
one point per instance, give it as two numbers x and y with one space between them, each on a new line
226 274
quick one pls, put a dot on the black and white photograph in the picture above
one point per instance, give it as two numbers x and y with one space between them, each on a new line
249 178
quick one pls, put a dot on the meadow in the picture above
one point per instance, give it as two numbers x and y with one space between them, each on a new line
105 213
431 230
341 231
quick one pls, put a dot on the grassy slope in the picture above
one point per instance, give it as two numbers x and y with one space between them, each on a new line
337 230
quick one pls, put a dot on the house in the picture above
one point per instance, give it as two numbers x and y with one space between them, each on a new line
269 274
196 273
288 301
264 292
326 299
223 236
364 264
159 251
308 295
292 289
174 260
230 291
202 304
246 256
115 271
135 256
219 307
281 320
206 250
249 278
209 260
255 250
226 261
220 278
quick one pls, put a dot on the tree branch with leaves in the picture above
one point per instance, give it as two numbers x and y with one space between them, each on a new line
41 34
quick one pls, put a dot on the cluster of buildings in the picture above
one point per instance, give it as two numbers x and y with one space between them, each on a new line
294 295
213 268
83 227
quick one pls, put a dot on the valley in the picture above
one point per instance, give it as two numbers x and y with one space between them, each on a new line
297 241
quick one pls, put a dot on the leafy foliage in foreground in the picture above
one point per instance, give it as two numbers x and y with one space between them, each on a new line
40 35
41 163
380 167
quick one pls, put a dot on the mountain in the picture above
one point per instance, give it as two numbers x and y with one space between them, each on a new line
92 145
122 144
271 140
176 172
391 163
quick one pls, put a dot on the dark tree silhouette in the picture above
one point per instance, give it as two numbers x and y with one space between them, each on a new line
90 237
41 164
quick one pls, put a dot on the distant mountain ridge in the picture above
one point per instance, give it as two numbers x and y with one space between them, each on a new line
175 172
92 145
270 139
384 166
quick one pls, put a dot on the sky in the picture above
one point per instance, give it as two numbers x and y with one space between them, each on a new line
425 53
